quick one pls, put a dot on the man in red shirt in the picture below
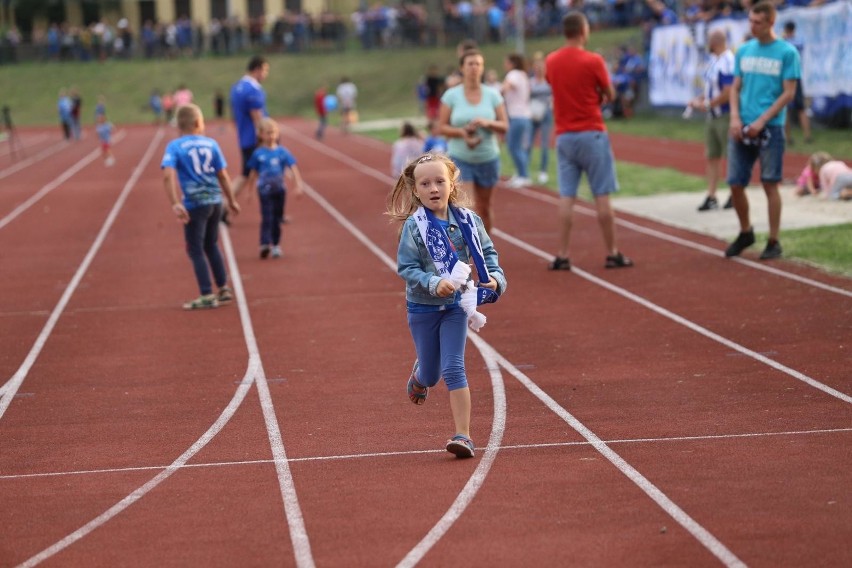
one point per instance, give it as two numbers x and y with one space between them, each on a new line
580 84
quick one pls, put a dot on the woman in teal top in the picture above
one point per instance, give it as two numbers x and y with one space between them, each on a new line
470 117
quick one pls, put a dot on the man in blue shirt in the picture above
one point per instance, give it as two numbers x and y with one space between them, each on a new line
248 108
766 70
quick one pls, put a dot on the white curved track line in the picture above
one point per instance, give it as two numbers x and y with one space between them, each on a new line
14 383
701 534
466 496
292 511
65 176
104 517
682 321
590 212
33 159
477 478
254 374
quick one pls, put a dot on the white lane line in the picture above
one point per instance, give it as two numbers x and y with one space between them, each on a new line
477 479
65 176
33 159
253 370
681 320
344 457
292 511
701 534
590 212
14 383
621 291
498 426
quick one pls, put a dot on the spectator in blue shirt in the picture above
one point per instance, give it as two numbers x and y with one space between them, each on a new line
248 108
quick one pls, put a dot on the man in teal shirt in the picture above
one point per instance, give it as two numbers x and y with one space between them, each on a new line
766 71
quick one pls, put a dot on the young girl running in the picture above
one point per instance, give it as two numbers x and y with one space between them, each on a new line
438 239
267 167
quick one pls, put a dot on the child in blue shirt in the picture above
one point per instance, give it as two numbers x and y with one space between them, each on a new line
267 168
438 240
195 164
104 129
435 142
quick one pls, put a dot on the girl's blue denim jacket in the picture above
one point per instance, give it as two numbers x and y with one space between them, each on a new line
416 267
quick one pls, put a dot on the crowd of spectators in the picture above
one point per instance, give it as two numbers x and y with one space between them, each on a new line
384 24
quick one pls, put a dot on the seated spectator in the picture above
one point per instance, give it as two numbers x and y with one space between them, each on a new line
407 147
435 142
808 181
627 77
835 180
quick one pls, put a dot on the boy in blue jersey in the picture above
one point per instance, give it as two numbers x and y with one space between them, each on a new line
195 178
766 71
267 168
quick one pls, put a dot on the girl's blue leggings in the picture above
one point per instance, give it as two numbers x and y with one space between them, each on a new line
439 338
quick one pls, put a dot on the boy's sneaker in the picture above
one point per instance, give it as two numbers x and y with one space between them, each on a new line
276 252
742 242
709 204
729 204
225 294
264 251
203 302
772 250
543 177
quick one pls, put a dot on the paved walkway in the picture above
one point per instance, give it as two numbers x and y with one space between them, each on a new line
681 210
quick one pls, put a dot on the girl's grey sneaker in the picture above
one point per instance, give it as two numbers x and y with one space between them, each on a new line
461 446
276 252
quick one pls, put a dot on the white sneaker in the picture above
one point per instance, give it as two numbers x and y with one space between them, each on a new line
109 162
520 182
543 177
276 252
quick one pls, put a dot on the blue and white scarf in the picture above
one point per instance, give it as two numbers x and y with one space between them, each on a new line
446 259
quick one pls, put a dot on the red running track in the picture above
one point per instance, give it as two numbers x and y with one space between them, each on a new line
689 411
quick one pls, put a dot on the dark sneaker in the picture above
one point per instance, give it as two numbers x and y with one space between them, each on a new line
742 242
709 204
618 261
729 204
264 251
772 250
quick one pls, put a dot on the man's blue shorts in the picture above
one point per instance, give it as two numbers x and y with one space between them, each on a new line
741 158
589 152
484 175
